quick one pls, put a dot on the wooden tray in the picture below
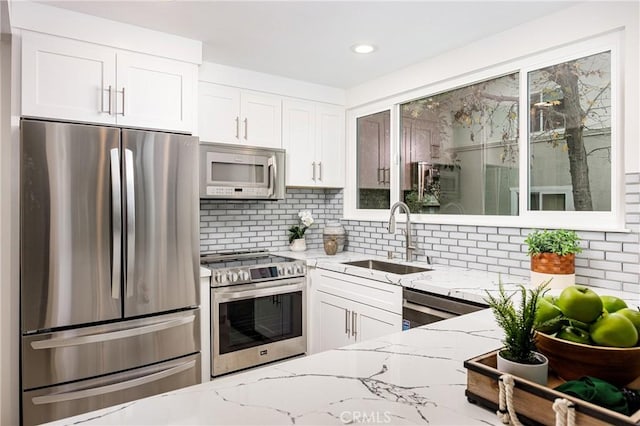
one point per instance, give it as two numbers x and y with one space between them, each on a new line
533 402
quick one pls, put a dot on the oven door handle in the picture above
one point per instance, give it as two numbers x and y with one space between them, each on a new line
427 310
222 296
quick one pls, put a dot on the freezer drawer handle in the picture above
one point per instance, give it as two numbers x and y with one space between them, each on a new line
104 337
116 387
116 219
131 221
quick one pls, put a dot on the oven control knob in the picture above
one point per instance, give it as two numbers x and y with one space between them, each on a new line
289 270
280 271
219 278
232 277
298 269
244 275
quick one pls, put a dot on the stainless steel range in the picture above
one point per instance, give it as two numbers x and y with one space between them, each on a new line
258 309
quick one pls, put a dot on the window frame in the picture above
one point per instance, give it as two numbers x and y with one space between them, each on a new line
601 221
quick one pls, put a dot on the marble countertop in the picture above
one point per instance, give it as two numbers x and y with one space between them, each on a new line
409 377
406 378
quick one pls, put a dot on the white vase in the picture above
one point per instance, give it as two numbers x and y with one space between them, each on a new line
536 373
299 244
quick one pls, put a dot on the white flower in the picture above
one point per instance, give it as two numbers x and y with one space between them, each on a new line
306 218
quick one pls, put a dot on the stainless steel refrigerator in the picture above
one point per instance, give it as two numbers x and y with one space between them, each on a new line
109 266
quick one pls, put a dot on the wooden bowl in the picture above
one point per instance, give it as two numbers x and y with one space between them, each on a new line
571 361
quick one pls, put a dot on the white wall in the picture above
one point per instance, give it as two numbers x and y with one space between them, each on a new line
9 413
576 23
238 77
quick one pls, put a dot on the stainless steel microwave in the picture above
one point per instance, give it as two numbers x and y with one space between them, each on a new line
241 172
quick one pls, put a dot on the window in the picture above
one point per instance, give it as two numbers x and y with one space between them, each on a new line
570 133
459 149
374 164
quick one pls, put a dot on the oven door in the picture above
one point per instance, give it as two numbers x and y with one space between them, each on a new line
254 324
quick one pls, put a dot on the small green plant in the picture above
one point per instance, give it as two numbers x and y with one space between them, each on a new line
559 241
518 324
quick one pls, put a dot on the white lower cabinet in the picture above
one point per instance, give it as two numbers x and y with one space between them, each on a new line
347 309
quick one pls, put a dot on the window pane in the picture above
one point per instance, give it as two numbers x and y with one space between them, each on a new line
374 170
460 150
570 133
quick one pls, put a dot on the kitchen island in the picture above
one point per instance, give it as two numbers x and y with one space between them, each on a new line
410 377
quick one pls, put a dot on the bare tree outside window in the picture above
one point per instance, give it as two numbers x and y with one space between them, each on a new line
570 130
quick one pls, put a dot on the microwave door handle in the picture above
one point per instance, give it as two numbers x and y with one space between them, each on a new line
273 175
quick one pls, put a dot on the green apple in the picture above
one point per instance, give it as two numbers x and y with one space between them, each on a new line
574 334
633 315
580 303
614 330
545 312
550 298
612 303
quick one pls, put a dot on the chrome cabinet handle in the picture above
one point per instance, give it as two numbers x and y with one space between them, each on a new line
131 220
346 321
116 221
123 102
379 179
237 127
108 111
385 171
120 113
63 342
116 387
246 128
320 170
313 168
354 324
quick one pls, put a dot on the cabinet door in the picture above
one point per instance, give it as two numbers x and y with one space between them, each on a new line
298 139
218 113
330 145
155 92
261 119
333 328
66 79
372 323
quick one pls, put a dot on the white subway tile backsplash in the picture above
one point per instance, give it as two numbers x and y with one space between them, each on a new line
610 259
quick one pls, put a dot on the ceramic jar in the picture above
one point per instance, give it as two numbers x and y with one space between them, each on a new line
334 230
331 246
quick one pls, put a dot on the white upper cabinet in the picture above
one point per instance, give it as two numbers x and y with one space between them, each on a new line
67 79
155 92
231 115
78 81
313 136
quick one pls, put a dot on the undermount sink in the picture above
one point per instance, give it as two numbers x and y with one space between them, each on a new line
393 268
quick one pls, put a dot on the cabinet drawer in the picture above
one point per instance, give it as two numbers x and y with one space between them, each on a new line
368 292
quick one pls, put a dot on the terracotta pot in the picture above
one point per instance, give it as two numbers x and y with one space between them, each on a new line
551 263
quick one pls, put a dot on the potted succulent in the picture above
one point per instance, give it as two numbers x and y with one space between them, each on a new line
518 356
553 255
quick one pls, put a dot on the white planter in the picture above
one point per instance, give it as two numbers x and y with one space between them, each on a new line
536 373
558 281
298 245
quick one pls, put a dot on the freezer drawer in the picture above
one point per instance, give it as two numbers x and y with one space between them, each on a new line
57 402
64 356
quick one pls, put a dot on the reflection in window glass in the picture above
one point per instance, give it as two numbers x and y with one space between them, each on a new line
460 150
570 134
374 166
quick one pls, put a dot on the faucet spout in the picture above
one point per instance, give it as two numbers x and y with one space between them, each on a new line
409 247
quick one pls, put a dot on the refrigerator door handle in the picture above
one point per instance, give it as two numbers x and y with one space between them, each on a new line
116 387
116 220
114 335
131 221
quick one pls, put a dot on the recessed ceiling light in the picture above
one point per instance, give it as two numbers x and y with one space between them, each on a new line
363 48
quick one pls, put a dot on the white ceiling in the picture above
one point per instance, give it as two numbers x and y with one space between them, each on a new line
310 40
